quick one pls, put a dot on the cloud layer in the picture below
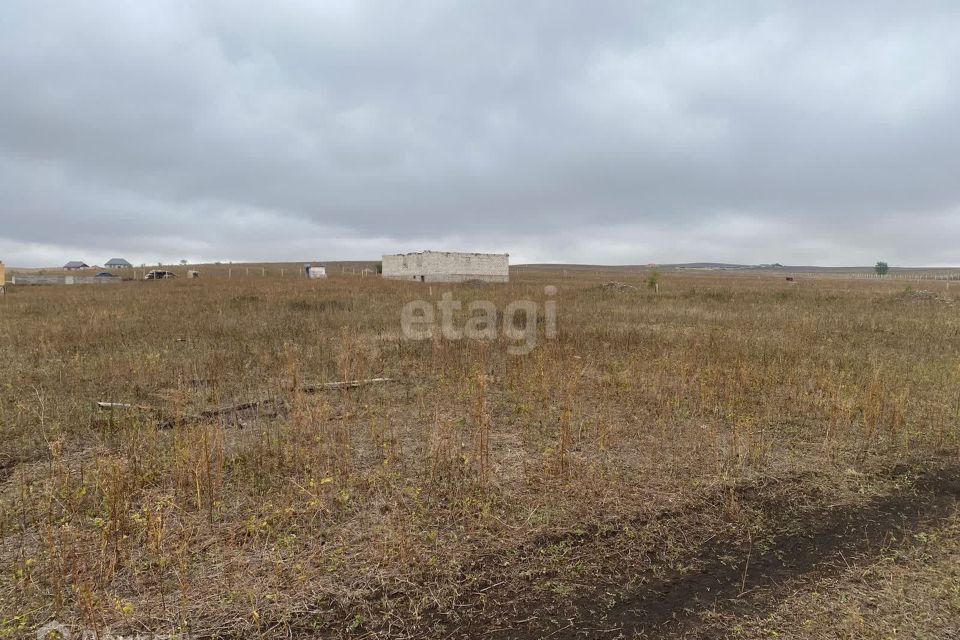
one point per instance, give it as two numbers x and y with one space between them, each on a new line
606 132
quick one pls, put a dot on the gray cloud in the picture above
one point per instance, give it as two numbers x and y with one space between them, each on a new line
621 132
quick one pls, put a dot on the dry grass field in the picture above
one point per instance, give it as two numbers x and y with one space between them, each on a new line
732 456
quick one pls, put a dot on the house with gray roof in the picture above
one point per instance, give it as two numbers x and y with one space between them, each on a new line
117 263
76 265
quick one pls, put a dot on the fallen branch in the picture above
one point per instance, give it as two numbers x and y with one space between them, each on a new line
104 406
234 408
346 384
212 413
219 411
181 419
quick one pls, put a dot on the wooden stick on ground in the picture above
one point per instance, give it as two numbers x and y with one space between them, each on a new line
120 405
253 404
345 384
250 404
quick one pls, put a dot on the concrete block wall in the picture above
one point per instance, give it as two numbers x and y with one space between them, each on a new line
447 266
36 279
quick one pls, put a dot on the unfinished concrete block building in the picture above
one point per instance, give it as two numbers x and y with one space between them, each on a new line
447 266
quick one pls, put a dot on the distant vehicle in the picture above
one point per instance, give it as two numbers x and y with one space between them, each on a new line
104 274
159 274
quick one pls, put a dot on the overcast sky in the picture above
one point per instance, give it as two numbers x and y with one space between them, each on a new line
602 132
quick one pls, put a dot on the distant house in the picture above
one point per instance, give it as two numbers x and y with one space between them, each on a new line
118 263
76 265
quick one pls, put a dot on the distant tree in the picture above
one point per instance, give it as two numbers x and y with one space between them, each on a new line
881 268
653 279
183 262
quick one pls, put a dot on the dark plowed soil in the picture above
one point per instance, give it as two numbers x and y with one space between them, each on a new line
746 579
731 577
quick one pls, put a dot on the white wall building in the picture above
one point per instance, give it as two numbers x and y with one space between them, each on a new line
447 266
